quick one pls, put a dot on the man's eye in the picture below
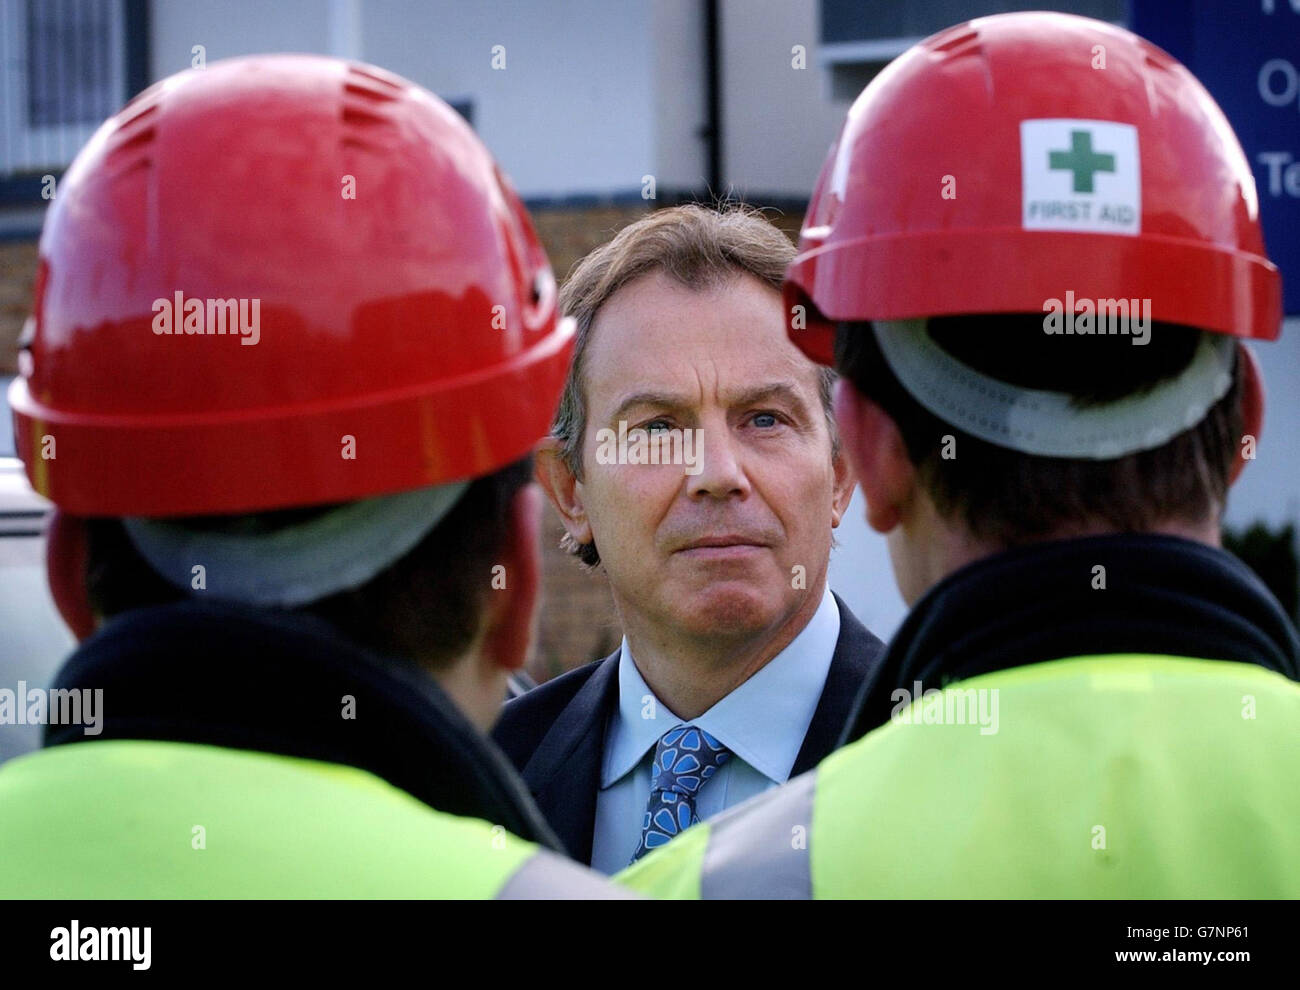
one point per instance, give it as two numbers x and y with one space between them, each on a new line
765 420
657 426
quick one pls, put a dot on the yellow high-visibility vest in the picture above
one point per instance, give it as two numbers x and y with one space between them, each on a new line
1126 776
144 819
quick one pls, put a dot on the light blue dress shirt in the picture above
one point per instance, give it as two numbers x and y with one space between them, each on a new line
763 722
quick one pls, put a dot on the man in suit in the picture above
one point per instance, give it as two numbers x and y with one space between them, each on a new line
696 446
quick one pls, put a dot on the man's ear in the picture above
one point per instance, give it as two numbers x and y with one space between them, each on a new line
877 454
67 548
563 489
517 588
1252 409
842 493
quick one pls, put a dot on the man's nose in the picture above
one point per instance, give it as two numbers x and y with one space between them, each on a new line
722 471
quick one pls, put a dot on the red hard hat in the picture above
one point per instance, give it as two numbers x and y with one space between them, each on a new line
403 309
1004 161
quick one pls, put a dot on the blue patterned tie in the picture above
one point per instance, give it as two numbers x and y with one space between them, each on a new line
684 759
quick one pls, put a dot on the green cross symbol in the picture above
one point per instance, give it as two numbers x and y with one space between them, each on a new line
1081 161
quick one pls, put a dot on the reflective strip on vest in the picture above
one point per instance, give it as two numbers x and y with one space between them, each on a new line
759 849
546 876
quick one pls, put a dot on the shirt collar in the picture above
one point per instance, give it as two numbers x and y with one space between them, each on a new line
763 721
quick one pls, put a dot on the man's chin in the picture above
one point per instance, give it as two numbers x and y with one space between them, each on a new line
730 609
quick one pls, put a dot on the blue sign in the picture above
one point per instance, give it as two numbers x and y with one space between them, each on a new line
1247 54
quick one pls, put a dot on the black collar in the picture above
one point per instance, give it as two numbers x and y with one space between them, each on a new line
1162 595
227 675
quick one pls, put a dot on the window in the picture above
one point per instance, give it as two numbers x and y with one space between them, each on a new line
70 78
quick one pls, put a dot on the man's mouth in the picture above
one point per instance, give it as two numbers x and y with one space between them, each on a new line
721 547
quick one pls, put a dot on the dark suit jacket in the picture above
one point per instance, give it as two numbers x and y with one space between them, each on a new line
555 734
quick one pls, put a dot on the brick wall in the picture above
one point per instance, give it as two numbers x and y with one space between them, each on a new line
17 269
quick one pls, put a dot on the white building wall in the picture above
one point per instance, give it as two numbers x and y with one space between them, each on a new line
1269 488
572 112
778 121
680 157
233 27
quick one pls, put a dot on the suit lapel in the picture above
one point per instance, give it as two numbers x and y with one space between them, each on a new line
564 772
857 654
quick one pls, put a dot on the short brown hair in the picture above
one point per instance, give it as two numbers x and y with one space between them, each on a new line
1009 498
696 246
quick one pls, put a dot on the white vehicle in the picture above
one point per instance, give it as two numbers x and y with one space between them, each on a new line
33 639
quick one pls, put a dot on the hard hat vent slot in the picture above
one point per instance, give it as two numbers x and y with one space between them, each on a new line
144 110
390 84
135 143
1158 60
962 39
369 92
358 117
133 133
